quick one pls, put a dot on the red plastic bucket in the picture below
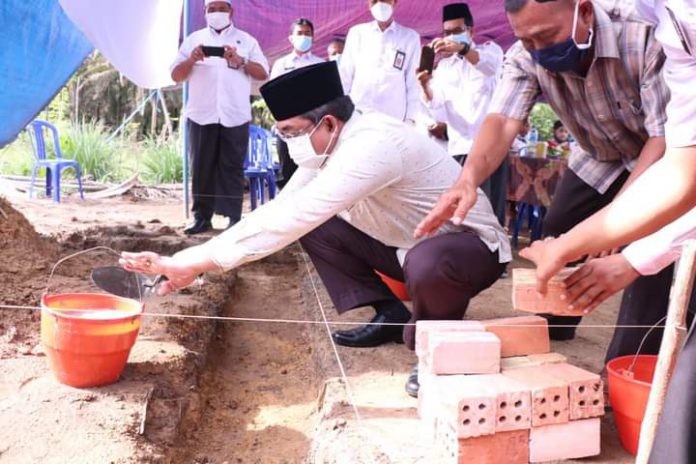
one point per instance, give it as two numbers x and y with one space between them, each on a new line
398 288
88 337
629 395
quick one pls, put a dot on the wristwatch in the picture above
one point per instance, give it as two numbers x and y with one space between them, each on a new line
465 50
240 65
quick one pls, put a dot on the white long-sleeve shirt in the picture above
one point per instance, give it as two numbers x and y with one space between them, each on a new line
676 32
462 93
292 61
378 69
655 252
219 94
383 178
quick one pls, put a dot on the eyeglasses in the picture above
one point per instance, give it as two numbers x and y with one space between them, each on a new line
284 136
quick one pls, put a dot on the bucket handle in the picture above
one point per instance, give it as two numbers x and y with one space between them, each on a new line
81 252
629 371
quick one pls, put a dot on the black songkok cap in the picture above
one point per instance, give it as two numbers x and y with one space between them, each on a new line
458 11
302 90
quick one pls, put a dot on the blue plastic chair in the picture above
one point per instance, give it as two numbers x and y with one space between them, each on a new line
54 166
259 168
534 214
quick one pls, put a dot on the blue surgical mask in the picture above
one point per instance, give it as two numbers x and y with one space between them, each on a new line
461 38
564 56
302 43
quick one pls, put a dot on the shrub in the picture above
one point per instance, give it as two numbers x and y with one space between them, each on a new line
100 158
161 161
542 118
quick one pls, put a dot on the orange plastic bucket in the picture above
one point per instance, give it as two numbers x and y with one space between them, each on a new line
629 395
88 337
398 288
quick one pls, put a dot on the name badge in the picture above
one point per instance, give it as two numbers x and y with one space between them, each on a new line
399 60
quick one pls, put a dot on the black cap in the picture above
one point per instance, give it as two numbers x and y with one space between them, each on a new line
302 90
557 124
458 11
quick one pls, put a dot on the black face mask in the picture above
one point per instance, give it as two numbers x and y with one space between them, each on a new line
564 56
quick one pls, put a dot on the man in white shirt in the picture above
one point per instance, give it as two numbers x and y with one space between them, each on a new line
364 182
378 65
460 90
219 63
301 38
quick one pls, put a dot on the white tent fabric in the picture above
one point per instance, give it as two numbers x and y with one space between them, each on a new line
139 37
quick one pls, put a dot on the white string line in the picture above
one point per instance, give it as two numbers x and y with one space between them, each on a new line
349 390
330 323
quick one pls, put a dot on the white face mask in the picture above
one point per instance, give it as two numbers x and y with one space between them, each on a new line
382 12
302 151
336 58
218 20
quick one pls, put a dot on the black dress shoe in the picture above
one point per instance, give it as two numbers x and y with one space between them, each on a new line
371 335
198 227
412 385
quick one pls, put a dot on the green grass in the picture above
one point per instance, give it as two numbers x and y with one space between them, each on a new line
17 158
101 159
161 161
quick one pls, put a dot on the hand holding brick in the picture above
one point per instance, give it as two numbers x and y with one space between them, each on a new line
526 298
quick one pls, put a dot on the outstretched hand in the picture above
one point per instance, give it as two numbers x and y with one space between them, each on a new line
548 260
453 205
178 274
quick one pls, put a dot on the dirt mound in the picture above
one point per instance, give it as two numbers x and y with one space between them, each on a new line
26 259
23 253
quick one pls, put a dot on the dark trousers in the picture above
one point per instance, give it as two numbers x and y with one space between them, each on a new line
217 162
441 273
495 187
675 442
287 165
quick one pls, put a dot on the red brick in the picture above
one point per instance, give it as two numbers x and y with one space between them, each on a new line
526 298
425 328
513 404
466 403
549 394
586 390
463 353
501 448
573 440
520 336
531 361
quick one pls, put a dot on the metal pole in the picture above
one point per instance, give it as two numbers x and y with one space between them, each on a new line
183 126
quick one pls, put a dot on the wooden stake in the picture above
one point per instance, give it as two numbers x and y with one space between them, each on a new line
672 341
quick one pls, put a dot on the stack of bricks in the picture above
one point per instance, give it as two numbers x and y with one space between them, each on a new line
491 392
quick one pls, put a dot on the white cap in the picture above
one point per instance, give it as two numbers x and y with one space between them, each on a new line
208 2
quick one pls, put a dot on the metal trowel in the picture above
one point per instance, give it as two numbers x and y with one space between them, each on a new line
126 284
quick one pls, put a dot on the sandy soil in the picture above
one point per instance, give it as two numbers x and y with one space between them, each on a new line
235 392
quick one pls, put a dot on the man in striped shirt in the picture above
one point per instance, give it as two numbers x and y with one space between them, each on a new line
602 76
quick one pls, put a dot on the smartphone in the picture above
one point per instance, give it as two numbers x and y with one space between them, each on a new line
427 59
213 51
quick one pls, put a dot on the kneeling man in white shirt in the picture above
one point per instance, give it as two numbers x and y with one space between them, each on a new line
365 180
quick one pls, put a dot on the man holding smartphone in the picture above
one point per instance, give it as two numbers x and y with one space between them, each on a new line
219 63
459 91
